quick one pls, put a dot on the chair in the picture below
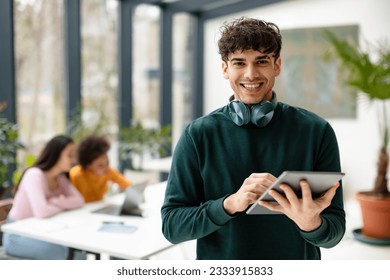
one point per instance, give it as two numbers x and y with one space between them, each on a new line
5 207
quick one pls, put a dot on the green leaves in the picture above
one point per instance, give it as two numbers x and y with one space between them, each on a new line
9 144
138 141
364 73
370 76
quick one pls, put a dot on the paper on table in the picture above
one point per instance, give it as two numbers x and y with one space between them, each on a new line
120 228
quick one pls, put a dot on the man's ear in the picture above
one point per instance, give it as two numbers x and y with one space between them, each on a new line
225 70
278 66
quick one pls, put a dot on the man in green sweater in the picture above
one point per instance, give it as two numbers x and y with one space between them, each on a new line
225 160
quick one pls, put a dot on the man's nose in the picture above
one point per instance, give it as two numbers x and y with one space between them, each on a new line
251 72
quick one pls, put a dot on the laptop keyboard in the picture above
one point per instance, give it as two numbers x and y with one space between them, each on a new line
110 209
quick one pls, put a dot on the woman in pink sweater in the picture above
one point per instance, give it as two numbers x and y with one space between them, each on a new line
44 190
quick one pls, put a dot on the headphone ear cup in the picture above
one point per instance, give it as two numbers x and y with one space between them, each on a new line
239 112
261 114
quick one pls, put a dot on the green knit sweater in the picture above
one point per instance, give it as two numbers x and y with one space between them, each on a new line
211 161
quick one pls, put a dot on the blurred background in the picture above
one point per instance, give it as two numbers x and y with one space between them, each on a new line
64 80
102 65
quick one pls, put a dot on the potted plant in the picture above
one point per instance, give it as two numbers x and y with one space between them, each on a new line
371 77
9 144
137 143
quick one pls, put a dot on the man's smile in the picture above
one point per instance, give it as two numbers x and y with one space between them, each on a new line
251 86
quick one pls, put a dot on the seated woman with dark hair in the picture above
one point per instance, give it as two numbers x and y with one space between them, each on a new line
44 190
93 173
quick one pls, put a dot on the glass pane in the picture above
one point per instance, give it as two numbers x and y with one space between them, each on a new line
39 67
146 42
146 65
99 67
183 93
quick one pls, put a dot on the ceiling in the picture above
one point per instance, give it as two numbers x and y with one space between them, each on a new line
208 9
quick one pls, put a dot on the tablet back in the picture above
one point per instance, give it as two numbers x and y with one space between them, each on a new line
319 182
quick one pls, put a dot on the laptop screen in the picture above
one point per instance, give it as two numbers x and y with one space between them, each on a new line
134 196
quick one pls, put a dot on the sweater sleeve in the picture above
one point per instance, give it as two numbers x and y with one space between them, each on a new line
186 214
332 228
71 197
117 177
35 185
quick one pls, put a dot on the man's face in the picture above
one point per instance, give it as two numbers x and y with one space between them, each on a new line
251 75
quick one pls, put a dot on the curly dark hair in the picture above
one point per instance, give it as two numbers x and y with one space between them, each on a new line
90 148
249 34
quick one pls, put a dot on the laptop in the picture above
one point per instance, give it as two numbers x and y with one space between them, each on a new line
134 196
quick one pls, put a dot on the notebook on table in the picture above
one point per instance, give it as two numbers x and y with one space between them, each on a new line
134 197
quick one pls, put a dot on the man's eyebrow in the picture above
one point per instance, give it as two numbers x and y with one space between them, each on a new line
265 56
237 59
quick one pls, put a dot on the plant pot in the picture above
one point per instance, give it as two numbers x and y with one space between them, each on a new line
375 214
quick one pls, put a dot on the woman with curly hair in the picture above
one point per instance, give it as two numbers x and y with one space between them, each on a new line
93 173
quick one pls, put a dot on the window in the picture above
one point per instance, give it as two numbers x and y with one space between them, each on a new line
39 71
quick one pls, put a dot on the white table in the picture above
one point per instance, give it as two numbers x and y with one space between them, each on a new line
79 228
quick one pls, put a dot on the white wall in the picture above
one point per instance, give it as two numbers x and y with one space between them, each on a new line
358 138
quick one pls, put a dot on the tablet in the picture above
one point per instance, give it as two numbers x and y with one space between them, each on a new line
319 182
